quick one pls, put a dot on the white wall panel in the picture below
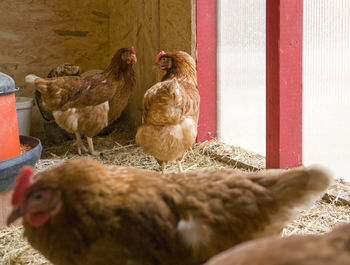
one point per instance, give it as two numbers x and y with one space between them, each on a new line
241 73
326 84
326 79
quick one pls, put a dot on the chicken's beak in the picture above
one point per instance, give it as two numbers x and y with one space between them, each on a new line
134 57
14 215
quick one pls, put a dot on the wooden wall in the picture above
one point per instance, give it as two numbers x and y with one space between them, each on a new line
36 36
151 26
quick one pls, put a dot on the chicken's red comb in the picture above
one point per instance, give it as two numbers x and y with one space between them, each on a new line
132 50
160 55
23 180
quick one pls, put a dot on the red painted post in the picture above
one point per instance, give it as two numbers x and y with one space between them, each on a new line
207 67
284 33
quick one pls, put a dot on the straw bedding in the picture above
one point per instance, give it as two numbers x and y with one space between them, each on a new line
119 149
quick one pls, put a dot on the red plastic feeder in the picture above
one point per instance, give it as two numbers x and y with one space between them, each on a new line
9 137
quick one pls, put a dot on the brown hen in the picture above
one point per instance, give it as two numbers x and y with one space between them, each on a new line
84 213
331 248
171 110
178 65
65 69
81 105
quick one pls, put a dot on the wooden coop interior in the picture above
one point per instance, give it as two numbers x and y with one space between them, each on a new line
37 36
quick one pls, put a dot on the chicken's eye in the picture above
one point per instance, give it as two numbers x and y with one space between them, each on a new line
38 196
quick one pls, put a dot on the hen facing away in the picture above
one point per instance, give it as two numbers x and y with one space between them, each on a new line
84 105
85 213
65 69
331 248
171 110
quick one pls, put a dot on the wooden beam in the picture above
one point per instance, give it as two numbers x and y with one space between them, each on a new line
284 33
207 67
338 193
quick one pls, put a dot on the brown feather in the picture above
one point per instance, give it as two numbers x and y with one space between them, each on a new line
183 68
65 69
170 111
331 248
101 87
76 92
87 120
121 215
87 104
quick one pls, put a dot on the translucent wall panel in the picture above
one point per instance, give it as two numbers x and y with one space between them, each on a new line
241 73
326 84
326 79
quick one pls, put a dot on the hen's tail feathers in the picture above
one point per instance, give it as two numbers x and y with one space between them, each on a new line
299 187
30 79
293 190
304 185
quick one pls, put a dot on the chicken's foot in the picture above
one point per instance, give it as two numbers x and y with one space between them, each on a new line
79 143
91 147
179 166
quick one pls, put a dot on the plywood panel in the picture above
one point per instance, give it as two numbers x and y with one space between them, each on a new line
137 23
177 22
36 36
151 26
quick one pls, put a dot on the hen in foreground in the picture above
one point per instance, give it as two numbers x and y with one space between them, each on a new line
81 105
331 248
171 110
84 213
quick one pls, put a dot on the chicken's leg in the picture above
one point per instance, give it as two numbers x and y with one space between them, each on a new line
79 143
163 167
179 166
91 147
